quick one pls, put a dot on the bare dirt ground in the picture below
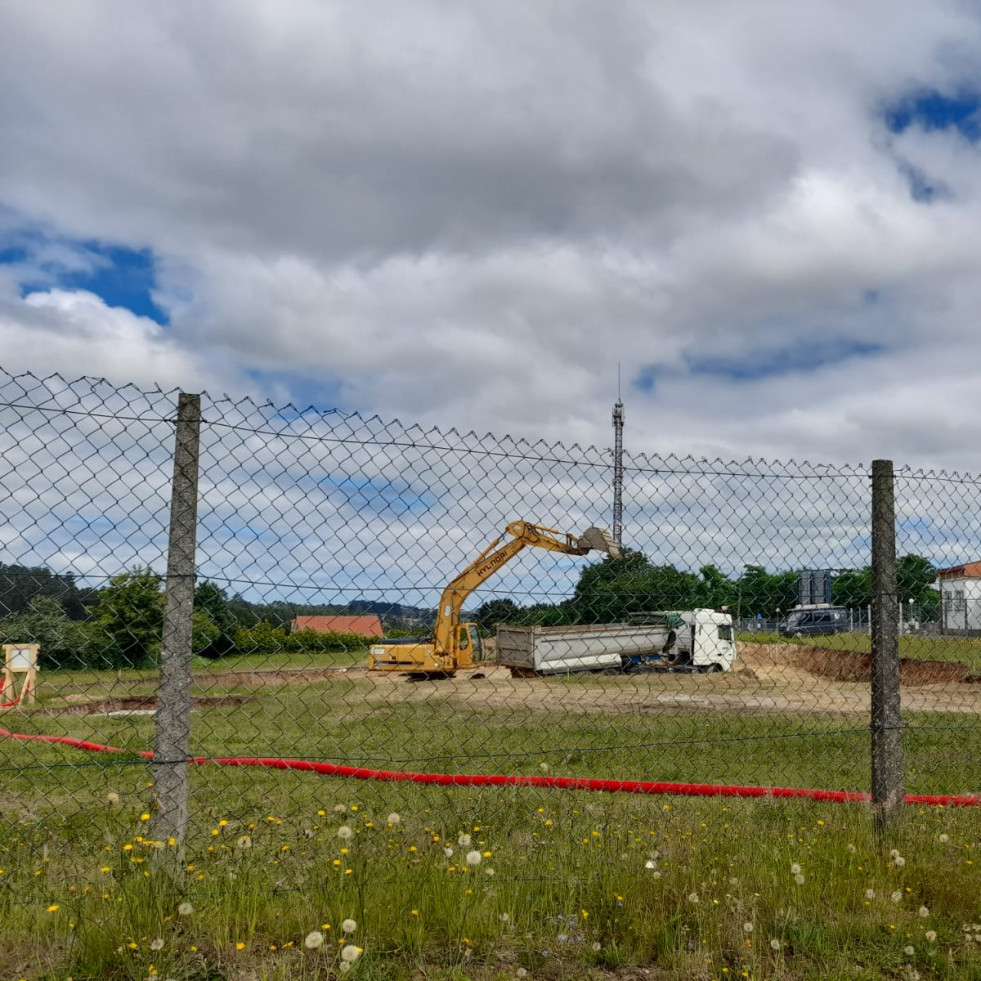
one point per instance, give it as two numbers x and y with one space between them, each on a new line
781 678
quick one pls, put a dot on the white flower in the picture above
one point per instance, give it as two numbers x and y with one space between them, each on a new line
775 944
650 865
896 896
544 767
157 944
795 869
748 927
799 879
349 926
185 909
463 840
870 894
909 951
473 858
447 851
693 897
394 818
923 912
943 839
931 935
313 940
344 832
350 953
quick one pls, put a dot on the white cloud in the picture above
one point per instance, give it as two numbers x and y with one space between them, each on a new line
468 216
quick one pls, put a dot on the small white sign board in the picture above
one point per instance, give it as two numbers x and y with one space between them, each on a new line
21 658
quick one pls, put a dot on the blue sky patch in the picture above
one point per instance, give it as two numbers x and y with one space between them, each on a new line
933 110
120 276
799 358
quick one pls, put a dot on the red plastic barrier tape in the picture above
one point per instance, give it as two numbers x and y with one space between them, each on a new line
482 780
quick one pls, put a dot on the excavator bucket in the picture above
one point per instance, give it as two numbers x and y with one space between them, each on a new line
600 539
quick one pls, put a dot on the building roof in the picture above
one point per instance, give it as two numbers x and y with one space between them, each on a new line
363 626
969 570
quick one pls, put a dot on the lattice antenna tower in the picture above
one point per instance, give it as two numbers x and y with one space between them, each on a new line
618 466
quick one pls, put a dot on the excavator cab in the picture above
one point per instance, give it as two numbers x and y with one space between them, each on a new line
468 645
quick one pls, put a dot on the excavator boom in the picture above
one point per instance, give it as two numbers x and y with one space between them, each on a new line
454 643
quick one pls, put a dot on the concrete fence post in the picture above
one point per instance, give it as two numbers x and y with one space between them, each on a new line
888 791
173 721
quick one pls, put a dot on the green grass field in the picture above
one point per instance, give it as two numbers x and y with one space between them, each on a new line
557 883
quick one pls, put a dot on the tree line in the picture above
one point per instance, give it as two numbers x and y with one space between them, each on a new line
120 624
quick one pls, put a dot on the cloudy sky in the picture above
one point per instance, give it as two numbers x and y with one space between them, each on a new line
768 214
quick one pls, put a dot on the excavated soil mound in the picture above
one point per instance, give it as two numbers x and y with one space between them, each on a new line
147 704
837 665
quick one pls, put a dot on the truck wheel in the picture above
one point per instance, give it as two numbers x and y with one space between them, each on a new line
716 668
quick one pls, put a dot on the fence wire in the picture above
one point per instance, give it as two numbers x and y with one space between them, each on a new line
727 644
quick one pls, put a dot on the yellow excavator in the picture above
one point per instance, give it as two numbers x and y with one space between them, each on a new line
457 645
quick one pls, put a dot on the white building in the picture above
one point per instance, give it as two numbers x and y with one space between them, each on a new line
960 597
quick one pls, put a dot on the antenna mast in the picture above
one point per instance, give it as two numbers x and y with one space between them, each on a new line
618 467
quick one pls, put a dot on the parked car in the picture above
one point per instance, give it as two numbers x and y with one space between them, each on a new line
817 620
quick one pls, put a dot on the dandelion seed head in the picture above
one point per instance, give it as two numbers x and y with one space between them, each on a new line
350 953
795 869
774 944
799 879
313 940
447 851
343 967
650 865
931 935
899 861
344 832
748 927
693 897
394 818
474 857
923 912
348 925
340 809
870 894
112 797
488 871
521 973
943 839
896 896
464 840
909 951
851 848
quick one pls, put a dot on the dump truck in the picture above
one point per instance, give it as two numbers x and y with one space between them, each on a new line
456 644
691 641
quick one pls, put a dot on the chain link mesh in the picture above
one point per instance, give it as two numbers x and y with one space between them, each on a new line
359 523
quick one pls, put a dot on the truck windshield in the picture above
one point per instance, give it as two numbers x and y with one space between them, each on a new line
795 618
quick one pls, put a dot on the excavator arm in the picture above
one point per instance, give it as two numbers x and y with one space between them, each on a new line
496 556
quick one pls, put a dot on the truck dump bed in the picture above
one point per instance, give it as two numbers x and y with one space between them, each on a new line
558 650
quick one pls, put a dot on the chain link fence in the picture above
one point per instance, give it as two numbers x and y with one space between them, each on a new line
325 540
